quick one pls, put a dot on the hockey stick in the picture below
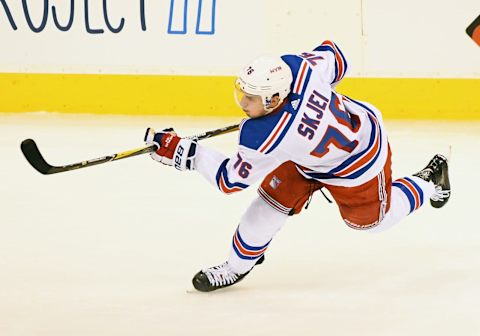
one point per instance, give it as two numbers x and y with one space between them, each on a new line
35 158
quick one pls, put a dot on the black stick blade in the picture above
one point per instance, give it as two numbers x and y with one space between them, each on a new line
35 158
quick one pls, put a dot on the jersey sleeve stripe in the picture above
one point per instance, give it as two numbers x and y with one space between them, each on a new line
277 131
281 134
300 79
340 61
224 184
343 59
324 47
339 58
225 189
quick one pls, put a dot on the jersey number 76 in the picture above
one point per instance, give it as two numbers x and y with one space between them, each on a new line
333 136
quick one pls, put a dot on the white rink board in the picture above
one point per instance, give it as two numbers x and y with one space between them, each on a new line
217 37
110 250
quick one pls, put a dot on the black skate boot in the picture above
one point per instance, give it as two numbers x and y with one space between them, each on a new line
217 277
437 172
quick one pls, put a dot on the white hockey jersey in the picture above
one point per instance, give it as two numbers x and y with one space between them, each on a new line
331 138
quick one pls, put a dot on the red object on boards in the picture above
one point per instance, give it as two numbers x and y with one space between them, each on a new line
474 30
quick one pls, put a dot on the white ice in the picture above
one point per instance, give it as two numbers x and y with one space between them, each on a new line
111 249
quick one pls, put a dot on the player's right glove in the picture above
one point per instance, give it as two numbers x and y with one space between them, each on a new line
171 149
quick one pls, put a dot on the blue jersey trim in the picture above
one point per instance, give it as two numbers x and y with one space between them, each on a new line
294 62
305 82
284 132
222 172
254 132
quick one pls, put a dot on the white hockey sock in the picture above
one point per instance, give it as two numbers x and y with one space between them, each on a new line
257 227
408 194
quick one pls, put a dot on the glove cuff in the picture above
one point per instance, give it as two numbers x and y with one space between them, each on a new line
185 153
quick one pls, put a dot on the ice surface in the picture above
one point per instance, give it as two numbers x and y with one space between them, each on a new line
111 249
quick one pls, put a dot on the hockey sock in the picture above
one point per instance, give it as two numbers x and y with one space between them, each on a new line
257 227
408 194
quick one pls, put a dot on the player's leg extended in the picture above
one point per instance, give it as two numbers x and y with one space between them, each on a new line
283 192
379 204
254 233
410 192
251 239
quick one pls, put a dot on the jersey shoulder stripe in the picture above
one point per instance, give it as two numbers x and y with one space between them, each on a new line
341 65
276 133
301 72
302 79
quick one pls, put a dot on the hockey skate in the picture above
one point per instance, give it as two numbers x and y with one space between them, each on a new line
217 277
437 172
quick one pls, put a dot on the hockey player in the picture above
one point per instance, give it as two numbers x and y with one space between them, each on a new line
301 136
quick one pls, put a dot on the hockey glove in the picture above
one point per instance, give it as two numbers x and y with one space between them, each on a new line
171 149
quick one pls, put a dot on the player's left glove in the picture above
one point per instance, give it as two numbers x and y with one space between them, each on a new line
171 149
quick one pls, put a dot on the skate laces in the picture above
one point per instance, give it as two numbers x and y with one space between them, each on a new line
425 174
440 194
221 275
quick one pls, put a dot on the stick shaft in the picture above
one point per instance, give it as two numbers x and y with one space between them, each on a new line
219 131
34 157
